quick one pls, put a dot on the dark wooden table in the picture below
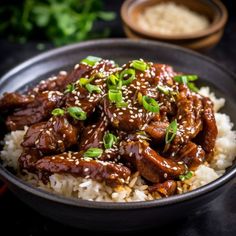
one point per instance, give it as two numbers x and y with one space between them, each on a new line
220 216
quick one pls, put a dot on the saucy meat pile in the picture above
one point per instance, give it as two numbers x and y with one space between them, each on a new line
105 122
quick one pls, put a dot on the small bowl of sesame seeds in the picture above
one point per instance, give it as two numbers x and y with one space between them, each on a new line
198 25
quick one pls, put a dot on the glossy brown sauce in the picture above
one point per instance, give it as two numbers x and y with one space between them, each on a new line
56 144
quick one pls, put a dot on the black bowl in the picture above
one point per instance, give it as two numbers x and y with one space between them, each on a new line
121 216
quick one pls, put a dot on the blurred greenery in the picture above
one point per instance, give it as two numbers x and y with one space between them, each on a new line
59 21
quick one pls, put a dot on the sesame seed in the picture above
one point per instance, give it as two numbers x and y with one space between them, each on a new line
37 141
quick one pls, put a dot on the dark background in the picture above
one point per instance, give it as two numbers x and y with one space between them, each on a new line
218 219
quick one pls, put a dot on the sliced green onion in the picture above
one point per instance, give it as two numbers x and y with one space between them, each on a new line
114 82
84 81
121 104
115 95
77 113
113 79
93 88
91 60
189 175
140 98
130 74
193 87
171 131
187 79
139 65
109 139
184 79
150 104
58 112
69 88
164 89
93 152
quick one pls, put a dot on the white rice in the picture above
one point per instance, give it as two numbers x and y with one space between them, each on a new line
136 190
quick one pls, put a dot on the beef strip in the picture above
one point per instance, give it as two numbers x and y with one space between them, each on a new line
28 158
166 189
124 119
189 111
10 101
157 130
74 164
58 135
36 111
192 155
207 137
32 134
150 165
92 135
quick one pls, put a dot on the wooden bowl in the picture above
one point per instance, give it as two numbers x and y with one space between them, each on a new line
214 10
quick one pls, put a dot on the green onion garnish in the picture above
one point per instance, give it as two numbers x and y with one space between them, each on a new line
171 131
93 88
115 95
129 74
164 89
113 79
91 60
121 104
139 65
184 79
77 113
93 152
186 176
114 82
150 104
69 88
187 79
84 81
193 87
109 139
140 98
58 112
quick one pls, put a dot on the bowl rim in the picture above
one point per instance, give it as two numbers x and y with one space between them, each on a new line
216 26
9 177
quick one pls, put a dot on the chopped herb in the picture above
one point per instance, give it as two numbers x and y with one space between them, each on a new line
114 82
58 112
77 113
140 98
69 88
57 21
84 81
184 79
91 60
93 152
189 175
193 87
121 104
171 131
109 140
166 90
150 104
139 65
129 74
115 95
187 79
93 88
